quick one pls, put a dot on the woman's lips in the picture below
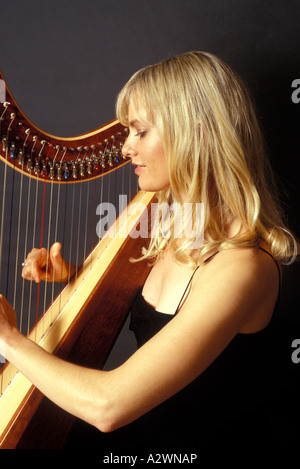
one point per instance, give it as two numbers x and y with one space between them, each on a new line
139 168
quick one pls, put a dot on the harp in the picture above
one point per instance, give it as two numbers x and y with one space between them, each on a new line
45 182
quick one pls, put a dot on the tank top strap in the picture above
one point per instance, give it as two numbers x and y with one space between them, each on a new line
186 288
213 255
278 268
210 257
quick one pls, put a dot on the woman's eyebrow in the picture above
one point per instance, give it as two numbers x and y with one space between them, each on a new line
133 122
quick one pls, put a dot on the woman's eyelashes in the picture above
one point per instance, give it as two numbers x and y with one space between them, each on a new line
141 133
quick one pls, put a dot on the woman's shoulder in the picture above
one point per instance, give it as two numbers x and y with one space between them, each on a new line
255 265
245 276
257 260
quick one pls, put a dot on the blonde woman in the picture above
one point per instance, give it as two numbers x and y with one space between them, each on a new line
203 319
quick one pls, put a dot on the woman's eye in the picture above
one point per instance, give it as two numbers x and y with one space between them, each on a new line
141 134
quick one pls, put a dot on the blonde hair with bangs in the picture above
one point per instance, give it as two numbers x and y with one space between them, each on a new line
215 154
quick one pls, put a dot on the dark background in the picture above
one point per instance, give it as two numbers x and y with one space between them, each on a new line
66 60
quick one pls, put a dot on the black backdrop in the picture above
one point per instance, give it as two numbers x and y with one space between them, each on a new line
65 61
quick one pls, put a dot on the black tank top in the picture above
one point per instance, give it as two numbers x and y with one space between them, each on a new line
226 400
146 321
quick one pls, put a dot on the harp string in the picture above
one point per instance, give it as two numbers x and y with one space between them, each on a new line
48 241
78 231
18 241
58 201
24 255
10 234
94 213
2 215
86 219
41 245
71 233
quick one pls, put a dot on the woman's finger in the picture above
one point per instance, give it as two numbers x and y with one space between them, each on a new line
36 260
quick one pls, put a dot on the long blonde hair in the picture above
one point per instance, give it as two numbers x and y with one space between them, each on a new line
215 153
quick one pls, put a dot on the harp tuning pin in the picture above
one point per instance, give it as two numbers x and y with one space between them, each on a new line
44 171
21 158
103 162
89 167
13 150
4 143
37 169
59 173
6 104
66 172
81 170
29 164
97 167
51 173
74 170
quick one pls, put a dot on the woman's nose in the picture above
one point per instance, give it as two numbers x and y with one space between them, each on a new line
128 149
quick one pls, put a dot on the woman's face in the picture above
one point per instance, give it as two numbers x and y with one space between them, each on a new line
145 147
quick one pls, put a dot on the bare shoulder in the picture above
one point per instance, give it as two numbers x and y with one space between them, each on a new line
244 279
245 262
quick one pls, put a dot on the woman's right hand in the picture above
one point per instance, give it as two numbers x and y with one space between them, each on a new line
41 264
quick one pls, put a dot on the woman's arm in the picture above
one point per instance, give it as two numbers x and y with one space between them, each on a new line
70 386
223 298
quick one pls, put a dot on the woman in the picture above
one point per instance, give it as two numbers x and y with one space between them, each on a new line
193 138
